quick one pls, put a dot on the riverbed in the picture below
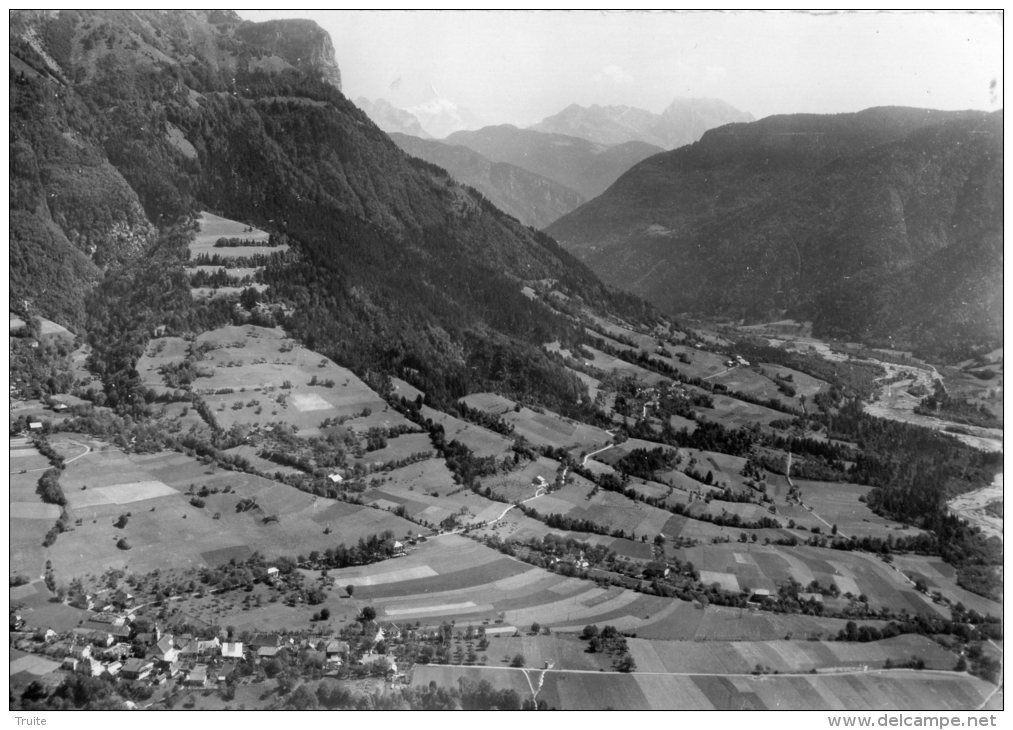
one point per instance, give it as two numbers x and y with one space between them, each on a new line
971 507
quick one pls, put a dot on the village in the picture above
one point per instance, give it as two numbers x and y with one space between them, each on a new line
125 642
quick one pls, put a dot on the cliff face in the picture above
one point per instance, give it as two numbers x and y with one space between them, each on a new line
301 43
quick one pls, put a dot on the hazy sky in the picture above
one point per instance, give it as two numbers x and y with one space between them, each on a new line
520 66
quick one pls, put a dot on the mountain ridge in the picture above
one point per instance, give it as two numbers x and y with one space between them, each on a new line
774 192
682 122
587 167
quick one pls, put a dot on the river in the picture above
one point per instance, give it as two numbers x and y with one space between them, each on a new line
971 507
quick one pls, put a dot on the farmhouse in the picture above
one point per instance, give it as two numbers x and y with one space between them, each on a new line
336 478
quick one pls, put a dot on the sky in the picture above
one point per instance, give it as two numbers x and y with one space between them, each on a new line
519 67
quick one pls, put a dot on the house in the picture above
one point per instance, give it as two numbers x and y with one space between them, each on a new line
113 668
107 618
137 668
197 677
70 664
90 667
336 651
223 672
336 478
209 647
393 632
268 652
50 635
119 651
165 650
272 572
35 425
232 650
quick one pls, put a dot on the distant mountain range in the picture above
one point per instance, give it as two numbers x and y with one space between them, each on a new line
532 199
683 122
390 118
587 167
884 225
436 117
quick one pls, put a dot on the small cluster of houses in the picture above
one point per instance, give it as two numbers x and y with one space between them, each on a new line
107 644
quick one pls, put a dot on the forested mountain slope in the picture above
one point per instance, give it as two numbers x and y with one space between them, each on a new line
532 199
587 167
883 225
151 116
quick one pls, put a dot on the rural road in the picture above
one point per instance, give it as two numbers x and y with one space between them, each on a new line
87 450
746 675
538 493
726 370
588 456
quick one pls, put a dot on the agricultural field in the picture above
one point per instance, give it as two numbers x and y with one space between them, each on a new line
255 376
941 577
428 495
734 413
610 363
521 482
405 446
543 427
748 381
751 566
161 352
603 508
803 383
213 227
825 504
594 690
164 527
481 441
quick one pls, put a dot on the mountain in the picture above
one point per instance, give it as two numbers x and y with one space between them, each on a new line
532 199
587 167
125 123
443 117
884 225
683 122
391 119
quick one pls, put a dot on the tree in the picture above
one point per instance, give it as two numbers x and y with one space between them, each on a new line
325 613
626 663
367 614
349 589
535 627
517 661
590 631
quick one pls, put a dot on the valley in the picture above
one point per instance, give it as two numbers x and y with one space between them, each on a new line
526 518
616 410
